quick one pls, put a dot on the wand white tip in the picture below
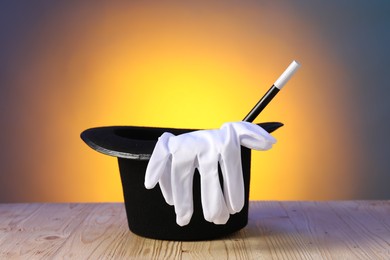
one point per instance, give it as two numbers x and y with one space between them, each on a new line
287 74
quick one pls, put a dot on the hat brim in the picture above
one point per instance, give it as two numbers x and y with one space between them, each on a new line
136 142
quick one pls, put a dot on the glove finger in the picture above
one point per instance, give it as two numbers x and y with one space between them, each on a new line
252 136
233 181
213 202
157 165
182 183
165 184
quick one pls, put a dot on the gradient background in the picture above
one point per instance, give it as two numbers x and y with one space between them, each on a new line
66 66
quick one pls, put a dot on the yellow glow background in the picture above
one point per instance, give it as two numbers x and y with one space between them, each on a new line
180 65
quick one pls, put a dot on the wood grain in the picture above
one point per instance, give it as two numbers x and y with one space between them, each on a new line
276 230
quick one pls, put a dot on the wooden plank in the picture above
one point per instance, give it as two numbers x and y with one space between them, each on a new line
276 230
38 230
367 226
270 233
99 231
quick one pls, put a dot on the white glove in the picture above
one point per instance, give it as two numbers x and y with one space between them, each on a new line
175 158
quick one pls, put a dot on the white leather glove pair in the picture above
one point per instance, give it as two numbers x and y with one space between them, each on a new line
175 158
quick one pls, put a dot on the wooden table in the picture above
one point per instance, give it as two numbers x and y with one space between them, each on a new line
276 230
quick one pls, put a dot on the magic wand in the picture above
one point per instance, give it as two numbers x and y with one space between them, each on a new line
271 93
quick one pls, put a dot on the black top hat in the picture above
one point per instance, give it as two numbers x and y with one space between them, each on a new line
148 214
